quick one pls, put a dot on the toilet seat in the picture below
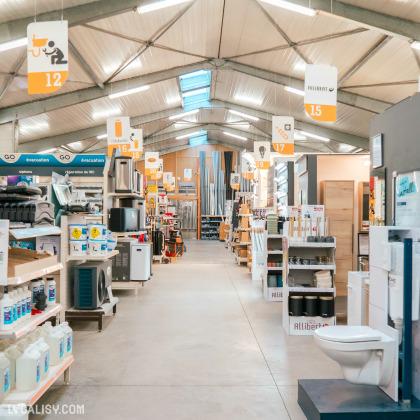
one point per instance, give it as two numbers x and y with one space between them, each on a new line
348 334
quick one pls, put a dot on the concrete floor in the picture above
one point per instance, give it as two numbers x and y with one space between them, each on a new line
199 342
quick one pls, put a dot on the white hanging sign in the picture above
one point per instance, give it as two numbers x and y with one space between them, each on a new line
283 135
118 132
235 181
151 164
48 56
167 180
159 173
136 143
187 175
321 92
172 187
247 167
262 154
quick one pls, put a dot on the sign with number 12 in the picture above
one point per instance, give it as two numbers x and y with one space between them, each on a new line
48 55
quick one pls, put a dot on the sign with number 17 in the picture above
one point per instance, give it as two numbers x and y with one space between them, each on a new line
48 56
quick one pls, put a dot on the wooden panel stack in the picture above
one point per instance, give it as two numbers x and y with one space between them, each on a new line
338 199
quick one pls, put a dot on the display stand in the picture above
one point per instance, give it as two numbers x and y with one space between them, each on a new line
210 226
302 285
274 242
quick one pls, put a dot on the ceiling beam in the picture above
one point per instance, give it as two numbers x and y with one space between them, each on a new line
390 25
29 109
12 75
66 138
75 15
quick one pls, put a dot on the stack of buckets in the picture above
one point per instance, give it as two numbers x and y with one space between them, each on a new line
93 239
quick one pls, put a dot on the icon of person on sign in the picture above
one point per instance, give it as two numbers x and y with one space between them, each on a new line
56 54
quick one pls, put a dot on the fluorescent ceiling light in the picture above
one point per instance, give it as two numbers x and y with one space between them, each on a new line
194 92
241 114
234 135
299 136
13 44
159 5
188 135
358 150
291 6
248 99
102 136
44 152
294 90
129 91
414 44
184 114
314 136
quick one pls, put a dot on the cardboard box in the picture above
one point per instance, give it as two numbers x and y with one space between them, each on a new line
23 261
245 222
224 231
49 243
244 209
242 253
244 236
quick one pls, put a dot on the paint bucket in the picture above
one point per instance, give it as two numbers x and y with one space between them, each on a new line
111 244
310 306
326 306
78 248
97 248
97 231
295 305
78 232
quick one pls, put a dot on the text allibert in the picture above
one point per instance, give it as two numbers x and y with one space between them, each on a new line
57 409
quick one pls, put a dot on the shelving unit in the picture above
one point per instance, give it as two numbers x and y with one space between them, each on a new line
92 257
210 226
29 398
274 241
303 276
15 281
26 233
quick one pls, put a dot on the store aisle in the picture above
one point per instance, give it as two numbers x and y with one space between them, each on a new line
199 342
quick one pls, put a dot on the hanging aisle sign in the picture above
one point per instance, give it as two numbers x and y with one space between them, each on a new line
321 92
247 168
167 180
262 154
283 135
235 181
172 187
187 175
151 165
48 54
118 131
159 173
136 143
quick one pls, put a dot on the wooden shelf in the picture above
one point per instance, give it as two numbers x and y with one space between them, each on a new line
311 245
311 267
274 268
245 215
14 281
92 257
29 325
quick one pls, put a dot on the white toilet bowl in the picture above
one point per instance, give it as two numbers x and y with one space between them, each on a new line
366 356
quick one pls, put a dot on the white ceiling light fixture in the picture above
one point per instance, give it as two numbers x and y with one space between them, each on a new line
414 44
299 136
246 116
295 91
235 136
248 99
358 150
102 136
315 136
13 44
128 91
184 114
188 135
159 5
292 7
44 152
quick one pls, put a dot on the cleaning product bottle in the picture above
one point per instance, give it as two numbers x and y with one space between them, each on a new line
4 377
44 349
14 307
55 339
18 305
6 311
68 338
41 285
51 291
28 295
34 288
28 369
13 353
22 303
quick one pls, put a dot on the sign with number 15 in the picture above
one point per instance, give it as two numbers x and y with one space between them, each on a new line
48 56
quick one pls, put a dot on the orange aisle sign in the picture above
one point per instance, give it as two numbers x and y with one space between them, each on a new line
151 163
167 180
118 132
247 167
187 175
262 154
235 181
321 92
283 135
159 174
136 143
172 187
48 56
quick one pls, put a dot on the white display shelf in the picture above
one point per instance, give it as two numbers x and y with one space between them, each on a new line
312 289
311 245
274 268
92 257
125 195
34 232
311 267
307 325
29 398
127 233
275 252
14 281
275 236
31 324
